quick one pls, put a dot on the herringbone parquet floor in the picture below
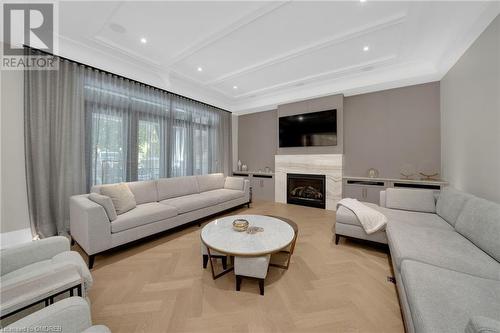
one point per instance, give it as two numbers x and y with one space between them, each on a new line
158 285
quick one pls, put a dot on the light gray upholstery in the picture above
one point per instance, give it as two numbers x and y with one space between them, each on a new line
443 300
106 203
480 223
357 231
144 191
210 182
450 203
176 187
481 324
21 255
70 315
234 183
41 258
252 266
443 248
190 202
91 228
143 214
410 199
222 195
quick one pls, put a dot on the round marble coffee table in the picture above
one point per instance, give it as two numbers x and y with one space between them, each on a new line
220 236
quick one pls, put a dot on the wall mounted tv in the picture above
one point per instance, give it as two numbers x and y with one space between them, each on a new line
308 129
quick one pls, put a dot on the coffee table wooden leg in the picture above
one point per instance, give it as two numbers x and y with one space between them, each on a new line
216 276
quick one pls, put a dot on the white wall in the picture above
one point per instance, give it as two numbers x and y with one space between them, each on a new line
470 118
14 202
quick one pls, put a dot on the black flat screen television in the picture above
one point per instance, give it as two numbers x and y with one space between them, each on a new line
308 129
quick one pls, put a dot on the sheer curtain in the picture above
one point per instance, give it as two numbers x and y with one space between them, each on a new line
86 127
54 144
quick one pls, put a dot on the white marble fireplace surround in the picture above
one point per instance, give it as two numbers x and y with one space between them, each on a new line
330 165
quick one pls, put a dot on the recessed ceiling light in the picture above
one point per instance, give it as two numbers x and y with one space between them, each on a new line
366 48
362 0
235 87
144 40
200 69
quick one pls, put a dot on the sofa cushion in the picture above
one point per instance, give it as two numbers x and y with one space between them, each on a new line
450 203
210 182
143 214
144 191
106 203
190 202
417 219
444 248
443 300
345 215
223 195
123 199
176 187
234 183
480 223
410 199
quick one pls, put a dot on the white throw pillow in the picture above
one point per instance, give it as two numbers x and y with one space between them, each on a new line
106 203
234 183
123 199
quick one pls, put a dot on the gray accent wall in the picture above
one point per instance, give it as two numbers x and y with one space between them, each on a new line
388 129
314 105
470 117
257 139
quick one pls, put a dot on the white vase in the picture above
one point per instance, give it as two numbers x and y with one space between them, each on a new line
239 165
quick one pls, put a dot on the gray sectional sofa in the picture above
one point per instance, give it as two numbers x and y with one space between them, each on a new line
161 205
446 257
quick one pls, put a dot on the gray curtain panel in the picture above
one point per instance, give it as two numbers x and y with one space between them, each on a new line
85 127
54 144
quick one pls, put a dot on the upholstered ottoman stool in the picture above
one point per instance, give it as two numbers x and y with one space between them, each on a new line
251 267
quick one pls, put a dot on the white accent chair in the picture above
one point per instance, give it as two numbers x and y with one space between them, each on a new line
26 261
70 315
251 267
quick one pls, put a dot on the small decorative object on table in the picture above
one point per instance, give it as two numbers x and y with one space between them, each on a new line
407 171
428 177
244 167
239 165
240 225
372 173
254 230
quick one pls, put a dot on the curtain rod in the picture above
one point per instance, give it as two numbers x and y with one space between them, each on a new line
124 77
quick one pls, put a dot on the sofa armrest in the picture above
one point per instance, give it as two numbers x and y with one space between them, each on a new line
382 202
89 225
70 315
24 254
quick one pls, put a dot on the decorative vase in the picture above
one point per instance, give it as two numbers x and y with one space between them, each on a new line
239 165
244 167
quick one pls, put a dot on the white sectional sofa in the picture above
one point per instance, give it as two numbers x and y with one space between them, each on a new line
445 255
161 205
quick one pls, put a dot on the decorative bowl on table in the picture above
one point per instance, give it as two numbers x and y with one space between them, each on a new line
240 225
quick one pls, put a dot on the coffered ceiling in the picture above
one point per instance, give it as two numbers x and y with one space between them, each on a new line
250 56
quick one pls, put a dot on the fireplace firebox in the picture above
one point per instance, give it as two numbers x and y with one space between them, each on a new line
306 190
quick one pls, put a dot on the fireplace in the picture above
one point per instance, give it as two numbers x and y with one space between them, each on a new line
306 190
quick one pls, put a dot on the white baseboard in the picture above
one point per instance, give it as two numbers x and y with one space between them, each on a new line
15 237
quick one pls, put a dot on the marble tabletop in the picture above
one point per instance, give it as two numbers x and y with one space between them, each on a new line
220 236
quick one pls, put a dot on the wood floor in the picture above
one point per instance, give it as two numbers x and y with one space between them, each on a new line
158 285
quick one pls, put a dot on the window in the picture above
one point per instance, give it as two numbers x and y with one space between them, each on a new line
133 135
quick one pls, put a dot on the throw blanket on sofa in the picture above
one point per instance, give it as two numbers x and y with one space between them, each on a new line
370 219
